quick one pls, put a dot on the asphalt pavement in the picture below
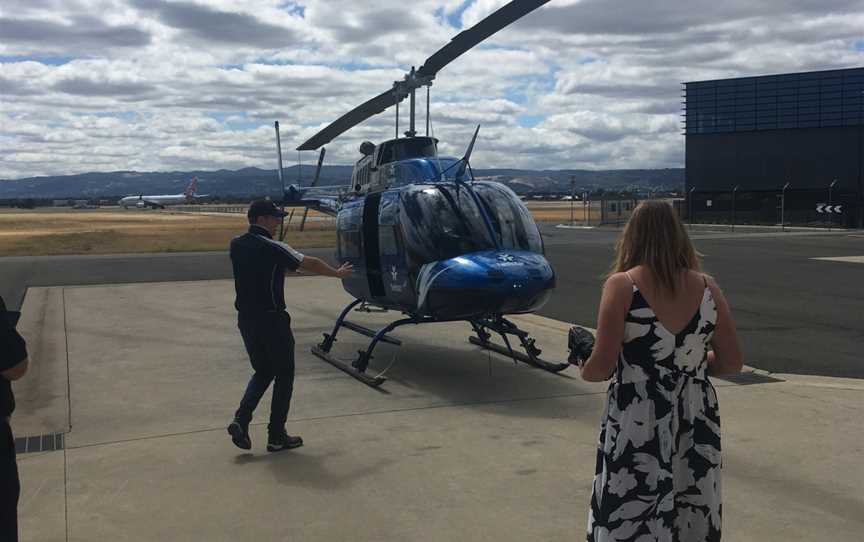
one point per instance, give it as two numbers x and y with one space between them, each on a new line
795 314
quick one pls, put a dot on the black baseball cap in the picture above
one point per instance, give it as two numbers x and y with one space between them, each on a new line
263 207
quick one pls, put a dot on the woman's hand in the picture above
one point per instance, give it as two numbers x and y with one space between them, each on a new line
580 341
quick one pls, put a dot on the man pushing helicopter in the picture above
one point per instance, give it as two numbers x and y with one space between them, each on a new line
260 263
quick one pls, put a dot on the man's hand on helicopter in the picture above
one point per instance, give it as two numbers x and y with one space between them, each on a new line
344 270
320 267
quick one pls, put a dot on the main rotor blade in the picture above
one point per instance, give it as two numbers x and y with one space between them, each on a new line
463 41
467 39
349 120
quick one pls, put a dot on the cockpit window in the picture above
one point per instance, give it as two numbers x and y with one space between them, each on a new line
427 170
442 222
511 220
417 147
404 149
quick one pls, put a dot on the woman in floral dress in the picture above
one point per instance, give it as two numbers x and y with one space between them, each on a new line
662 328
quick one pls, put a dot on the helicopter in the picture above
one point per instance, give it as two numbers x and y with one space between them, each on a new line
425 238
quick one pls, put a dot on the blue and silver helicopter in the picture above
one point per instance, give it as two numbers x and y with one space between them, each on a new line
425 239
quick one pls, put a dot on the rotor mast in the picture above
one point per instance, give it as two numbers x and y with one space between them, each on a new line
407 88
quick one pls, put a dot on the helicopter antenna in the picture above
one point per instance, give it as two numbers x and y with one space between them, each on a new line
281 181
467 157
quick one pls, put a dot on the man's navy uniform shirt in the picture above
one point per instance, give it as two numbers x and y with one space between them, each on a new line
259 270
13 350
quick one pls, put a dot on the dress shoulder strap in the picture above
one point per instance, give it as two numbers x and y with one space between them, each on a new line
633 282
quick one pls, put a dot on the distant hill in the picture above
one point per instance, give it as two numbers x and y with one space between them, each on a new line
249 182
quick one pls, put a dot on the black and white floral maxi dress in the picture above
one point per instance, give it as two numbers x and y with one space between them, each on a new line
658 458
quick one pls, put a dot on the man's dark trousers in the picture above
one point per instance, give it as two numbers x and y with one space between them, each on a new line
270 345
10 486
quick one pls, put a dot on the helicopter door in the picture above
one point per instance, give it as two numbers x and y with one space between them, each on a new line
371 245
394 271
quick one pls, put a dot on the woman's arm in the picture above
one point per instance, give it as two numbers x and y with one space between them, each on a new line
614 303
725 358
16 371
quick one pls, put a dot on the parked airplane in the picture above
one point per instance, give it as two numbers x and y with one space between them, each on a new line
159 202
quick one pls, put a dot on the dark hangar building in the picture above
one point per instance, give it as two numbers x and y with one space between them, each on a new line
804 131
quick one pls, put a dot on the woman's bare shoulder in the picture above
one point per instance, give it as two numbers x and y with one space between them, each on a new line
712 285
618 280
618 289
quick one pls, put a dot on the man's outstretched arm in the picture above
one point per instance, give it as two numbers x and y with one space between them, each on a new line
320 267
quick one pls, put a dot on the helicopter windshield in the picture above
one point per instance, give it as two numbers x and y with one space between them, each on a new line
442 222
428 170
511 220
404 149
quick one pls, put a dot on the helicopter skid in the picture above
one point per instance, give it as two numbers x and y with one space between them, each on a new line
373 381
504 327
519 356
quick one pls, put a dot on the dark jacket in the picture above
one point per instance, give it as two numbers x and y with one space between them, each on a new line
13 350
259 271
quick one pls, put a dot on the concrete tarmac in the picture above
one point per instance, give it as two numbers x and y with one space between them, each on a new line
458 444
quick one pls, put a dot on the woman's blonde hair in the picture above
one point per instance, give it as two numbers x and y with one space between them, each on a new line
655 237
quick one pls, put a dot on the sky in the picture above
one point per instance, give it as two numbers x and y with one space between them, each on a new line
158 85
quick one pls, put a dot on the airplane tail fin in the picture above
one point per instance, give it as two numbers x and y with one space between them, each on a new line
192 188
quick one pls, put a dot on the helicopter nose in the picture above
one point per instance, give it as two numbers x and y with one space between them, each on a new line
488 282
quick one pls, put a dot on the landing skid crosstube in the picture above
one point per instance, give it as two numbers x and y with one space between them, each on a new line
358 367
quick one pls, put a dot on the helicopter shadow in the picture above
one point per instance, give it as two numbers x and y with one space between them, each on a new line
450 373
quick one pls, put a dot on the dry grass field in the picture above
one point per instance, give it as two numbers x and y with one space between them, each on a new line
48 231
559 211
113 231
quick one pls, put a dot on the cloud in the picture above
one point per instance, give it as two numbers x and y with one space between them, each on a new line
159 85
651 17
79 34
89 87
214 26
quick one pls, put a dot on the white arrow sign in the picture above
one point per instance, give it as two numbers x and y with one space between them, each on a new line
824 208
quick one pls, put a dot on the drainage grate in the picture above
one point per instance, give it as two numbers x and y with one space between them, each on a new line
39 443
750 378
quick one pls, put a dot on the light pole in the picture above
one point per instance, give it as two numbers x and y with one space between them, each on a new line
783 207
585 205
830 212
690 204
734 190
572 199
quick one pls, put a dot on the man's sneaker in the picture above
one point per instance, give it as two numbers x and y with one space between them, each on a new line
239 432
282 441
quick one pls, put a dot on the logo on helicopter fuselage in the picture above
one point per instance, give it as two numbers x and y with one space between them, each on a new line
394 274
506 260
